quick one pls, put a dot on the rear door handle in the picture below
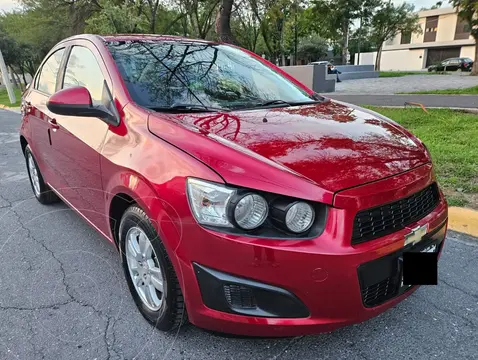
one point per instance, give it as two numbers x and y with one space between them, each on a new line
54 125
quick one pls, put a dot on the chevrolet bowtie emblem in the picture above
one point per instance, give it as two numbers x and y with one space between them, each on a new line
416 234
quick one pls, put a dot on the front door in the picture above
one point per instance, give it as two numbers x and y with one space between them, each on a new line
78 141
40 117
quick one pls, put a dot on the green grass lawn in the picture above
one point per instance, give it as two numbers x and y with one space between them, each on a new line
466 91
404 73
4 100
452 138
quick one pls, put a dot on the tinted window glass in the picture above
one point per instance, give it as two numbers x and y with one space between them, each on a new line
161 74
82 69
49 71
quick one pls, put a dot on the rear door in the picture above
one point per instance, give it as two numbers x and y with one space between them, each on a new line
454 64
45 84
78 141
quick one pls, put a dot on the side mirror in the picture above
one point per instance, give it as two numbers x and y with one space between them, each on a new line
76 101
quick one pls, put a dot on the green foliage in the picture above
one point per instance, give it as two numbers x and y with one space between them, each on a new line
112 18
389 20
451 138
312 49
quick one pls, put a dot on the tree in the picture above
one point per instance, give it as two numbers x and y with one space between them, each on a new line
334 18
223 22
468 11
112 18
388 21
245 26
436 6
312 49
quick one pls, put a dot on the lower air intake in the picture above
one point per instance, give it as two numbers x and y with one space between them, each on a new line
239 296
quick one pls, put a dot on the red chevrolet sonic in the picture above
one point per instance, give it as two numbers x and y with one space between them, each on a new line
238 198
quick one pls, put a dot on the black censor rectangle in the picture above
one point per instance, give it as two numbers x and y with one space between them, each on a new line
420 268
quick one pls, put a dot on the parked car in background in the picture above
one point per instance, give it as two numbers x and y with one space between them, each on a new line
453 64
322 62
237 197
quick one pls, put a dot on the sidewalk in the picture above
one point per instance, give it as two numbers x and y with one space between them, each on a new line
452 101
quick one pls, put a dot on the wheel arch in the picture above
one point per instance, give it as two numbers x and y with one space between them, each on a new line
23 143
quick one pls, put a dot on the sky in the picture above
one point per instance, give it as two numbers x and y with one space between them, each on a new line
7 5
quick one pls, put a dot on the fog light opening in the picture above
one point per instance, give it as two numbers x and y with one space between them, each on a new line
240 296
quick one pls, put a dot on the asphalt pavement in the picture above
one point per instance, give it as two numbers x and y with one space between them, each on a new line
63 296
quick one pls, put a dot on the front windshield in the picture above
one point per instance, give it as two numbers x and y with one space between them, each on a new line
164 74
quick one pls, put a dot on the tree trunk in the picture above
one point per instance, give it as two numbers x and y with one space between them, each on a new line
379 58
474 70
223 22
23 76
22 86
345 47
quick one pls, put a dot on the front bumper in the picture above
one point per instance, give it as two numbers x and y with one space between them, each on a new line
326 275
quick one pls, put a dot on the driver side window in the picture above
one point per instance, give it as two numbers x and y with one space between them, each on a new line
82 69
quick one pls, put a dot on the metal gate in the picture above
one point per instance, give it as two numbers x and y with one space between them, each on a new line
439 54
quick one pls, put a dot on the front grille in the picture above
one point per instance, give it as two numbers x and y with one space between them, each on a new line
380 279
385 219
378 293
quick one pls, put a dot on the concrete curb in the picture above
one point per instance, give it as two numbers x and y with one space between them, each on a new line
470 110
13 109
463 220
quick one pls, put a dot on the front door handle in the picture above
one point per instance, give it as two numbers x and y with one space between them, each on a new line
54 125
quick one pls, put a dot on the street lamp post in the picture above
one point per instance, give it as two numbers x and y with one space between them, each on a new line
6 80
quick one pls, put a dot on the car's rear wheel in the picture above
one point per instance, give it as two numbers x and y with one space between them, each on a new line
150 275
42 191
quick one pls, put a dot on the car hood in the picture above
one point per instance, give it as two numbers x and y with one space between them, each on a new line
334 145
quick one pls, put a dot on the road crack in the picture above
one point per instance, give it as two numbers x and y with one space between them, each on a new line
110 320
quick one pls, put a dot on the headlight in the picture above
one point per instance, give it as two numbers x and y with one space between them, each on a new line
209 202
239 211
250 211
300 217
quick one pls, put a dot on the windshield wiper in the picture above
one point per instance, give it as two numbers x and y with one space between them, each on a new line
275 102
285 103
186 108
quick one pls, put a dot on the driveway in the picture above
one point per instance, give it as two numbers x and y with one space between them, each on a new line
63 296
409 83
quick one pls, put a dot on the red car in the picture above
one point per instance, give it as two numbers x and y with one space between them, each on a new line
238 198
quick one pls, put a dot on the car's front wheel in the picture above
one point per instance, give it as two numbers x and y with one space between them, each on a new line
42 191
150 275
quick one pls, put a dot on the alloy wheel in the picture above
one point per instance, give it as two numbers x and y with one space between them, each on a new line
32 169
144 268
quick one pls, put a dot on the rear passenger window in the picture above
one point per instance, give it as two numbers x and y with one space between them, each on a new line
83 69
49 71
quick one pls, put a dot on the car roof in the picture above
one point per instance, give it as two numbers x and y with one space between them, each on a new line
135 37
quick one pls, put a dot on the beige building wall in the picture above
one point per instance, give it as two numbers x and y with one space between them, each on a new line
417 38
468 51
413 56
403 60
446 27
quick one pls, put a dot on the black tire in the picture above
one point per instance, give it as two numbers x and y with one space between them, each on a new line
172 312
46 195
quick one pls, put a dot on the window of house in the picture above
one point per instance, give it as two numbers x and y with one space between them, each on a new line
431 28
406 37
462 31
